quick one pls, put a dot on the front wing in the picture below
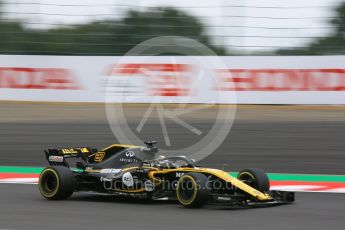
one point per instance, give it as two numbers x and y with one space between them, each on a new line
277 198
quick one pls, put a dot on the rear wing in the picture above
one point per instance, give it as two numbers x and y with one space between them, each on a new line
58 156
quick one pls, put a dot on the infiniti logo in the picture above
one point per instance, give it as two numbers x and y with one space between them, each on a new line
129 154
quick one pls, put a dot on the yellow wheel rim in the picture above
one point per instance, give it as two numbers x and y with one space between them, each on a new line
180 186
49 183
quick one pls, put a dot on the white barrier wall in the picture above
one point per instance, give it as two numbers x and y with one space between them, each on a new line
243 80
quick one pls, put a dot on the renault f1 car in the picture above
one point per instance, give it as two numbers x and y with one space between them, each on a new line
135 171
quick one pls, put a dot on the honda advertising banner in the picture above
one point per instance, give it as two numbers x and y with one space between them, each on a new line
174 79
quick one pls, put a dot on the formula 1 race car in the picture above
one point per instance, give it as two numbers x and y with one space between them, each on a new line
135 171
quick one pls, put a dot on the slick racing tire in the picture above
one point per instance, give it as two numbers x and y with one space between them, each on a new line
255 178
56 183
192 190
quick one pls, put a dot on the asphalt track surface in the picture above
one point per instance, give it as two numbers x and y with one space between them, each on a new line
22 207
278 139
300 148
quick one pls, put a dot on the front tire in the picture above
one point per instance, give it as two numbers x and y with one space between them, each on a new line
192 190
56 183
255 178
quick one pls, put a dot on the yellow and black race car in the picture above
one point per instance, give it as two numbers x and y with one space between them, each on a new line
135 171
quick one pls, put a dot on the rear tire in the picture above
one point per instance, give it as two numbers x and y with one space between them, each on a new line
56 183
255 178
192 190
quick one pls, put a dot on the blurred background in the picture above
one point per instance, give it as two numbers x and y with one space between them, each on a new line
278 138
112 27
284 60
